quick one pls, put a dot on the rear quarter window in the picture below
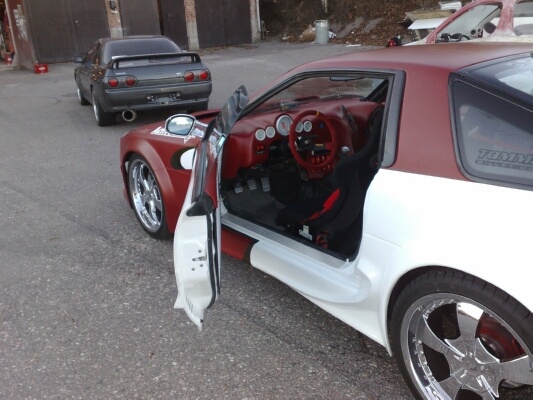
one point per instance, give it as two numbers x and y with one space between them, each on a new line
133 47
494 135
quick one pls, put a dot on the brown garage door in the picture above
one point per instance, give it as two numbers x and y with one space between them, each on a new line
223 22
173 21
61 28
139 17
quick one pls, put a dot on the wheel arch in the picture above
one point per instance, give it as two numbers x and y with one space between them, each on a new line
411 275
168 193
402 282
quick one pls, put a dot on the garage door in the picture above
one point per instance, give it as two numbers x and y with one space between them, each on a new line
61 28
139 17
223 22
173 21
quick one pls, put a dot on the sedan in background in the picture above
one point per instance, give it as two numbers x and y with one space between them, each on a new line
390 187
129 74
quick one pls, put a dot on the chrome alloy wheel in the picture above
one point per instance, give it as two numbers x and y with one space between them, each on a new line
146 196
456 348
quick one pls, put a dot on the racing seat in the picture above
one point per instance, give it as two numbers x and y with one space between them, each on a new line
331 222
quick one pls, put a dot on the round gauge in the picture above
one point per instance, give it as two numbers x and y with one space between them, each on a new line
308 126
270 132
299 127
260 134
283 124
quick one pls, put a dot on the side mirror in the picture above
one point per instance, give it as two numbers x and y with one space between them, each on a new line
180 124
78 59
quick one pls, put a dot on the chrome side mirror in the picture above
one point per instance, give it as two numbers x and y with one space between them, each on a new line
180 124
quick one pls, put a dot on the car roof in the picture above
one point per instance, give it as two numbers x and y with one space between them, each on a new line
132 37
447 56
136 45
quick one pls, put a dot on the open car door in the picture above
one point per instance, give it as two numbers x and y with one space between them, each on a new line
197 234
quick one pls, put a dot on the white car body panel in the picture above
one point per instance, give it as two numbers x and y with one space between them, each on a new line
190 249
426 23
420 215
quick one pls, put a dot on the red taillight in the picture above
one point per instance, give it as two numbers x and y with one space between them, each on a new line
203 75
188 76
130 81
113 82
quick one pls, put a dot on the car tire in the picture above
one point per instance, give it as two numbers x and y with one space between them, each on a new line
453 334
146 199
102 118
83 101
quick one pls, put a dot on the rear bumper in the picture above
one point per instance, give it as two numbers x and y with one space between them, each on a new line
149 98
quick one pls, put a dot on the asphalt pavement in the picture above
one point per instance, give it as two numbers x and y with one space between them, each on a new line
86 297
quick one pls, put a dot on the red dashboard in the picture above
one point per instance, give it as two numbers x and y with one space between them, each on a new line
253 136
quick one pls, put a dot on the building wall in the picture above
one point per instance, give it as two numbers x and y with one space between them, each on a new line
256 25
113 17
20 34
23 43
190 18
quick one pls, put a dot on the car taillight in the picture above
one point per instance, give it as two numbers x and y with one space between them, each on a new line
203 75
188 76
130 81
113 82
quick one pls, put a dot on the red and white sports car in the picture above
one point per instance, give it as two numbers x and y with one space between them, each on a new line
390 187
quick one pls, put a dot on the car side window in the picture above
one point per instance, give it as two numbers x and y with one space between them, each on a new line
91 55
494 136
523 18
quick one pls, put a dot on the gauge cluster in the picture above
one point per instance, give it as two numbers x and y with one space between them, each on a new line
282 126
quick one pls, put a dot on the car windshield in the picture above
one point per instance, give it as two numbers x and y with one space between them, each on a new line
472 23
138 47
322 88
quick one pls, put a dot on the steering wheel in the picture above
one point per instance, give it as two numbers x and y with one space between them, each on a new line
305 142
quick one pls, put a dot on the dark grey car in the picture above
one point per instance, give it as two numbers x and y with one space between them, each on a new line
135 73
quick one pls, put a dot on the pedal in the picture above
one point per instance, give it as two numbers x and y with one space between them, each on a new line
252 184
238 188
265 182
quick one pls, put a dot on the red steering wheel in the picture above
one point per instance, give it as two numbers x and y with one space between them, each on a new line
315 155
